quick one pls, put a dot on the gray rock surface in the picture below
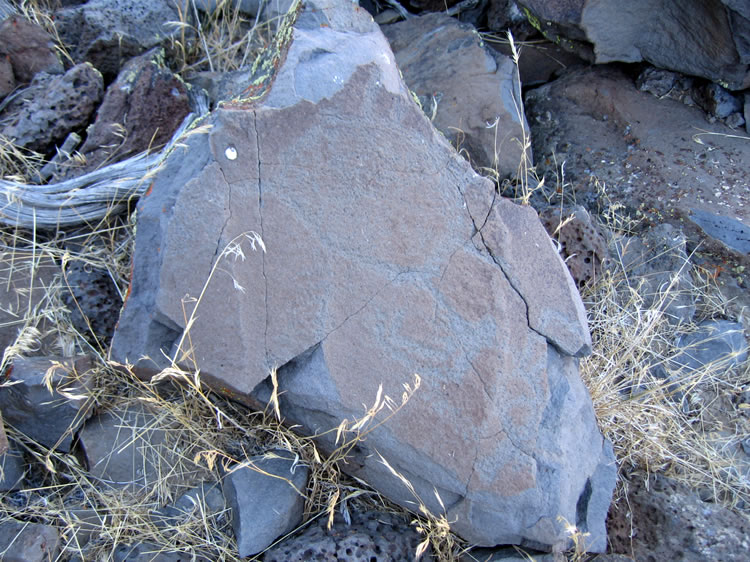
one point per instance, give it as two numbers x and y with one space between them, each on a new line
696 37
127 448
28 542
266 497
728 231
50 418
369 536
107 33
140 111
467 86
385 255
716 342
25 281
58 105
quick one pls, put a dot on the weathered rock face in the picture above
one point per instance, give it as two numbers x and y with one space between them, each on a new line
386 255
107 33
28 48
473 91
707 38
140 110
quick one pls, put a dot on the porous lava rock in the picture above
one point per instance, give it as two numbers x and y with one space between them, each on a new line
582 244
140 111
367 536
56 106
107 33
384 255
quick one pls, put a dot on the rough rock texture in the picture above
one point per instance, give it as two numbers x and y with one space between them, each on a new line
140 110
445 62
370 536
107 33
28 542
59 105
50 418
385 255
667 521
266 498
582 245
28 48
696 37
93 301
7 81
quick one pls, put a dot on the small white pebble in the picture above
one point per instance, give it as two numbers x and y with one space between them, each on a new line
231 152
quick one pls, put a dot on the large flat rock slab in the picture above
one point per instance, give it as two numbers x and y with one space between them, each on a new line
384 255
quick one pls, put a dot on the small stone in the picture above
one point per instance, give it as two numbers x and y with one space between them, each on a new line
265 506
128 448
582 245
50 418
28 542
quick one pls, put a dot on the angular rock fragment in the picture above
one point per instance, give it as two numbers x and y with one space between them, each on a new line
266 498
472 92
384 254
28 542
128 448
140 111
28 48
49 417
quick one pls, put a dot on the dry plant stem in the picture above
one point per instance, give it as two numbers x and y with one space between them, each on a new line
88 198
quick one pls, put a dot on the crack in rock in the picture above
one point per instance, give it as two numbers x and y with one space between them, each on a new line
262 236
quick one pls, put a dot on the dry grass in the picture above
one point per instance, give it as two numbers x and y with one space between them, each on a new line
663 425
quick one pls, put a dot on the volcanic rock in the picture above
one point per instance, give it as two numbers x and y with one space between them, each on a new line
383 255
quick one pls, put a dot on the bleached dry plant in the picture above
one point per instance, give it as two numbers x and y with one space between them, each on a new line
661 424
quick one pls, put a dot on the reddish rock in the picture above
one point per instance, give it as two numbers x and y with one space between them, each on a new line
140 111
29 48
